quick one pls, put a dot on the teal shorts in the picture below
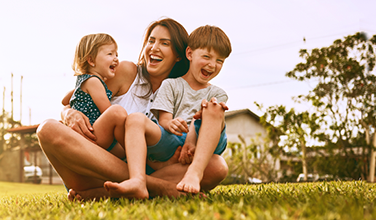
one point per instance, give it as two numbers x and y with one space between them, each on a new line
168 143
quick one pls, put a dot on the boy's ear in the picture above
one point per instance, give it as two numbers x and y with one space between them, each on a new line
188 53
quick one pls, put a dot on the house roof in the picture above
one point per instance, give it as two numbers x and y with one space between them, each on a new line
229 114
24 129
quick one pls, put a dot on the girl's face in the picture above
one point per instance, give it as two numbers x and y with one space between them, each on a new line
158 53
106 62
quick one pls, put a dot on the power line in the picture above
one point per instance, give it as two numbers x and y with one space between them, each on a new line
280 46
260 84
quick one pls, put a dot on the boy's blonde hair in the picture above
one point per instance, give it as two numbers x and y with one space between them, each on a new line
88 49
210 37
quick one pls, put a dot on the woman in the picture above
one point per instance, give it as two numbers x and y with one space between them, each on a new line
83 166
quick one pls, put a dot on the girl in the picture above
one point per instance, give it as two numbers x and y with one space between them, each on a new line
95 61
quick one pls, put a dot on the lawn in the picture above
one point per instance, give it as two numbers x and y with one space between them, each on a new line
322 200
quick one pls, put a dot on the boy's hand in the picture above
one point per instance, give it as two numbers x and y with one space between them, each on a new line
187 153
204 104
177 126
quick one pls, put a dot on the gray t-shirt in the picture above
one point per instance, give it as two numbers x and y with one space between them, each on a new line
178 98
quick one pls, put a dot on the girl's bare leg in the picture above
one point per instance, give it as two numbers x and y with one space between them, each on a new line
140 131
109 126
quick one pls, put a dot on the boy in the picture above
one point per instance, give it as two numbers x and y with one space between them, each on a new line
178 100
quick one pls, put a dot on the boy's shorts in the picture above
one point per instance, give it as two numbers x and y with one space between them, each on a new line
168 143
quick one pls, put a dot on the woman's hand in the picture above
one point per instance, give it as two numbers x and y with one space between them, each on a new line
77 121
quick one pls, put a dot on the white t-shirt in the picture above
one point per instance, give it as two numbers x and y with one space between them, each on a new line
130 100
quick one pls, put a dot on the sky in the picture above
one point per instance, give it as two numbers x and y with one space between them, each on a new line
38 40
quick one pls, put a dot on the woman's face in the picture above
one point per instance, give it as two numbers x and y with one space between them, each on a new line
158 53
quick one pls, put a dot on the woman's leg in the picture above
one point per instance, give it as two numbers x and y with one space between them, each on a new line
84 166
76 159
215 172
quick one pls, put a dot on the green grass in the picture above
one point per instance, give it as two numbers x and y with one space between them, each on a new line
12 189
324 200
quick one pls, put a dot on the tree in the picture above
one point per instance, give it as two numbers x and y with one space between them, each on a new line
345 91
257 159
8 142
292 130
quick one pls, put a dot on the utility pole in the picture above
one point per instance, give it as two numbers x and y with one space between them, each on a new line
21 101
11 99
2 147
29 116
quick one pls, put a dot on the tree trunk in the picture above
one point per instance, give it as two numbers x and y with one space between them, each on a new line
244 159
304 160
371 177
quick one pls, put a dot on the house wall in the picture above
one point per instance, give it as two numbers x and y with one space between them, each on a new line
10 165
245 125
248 127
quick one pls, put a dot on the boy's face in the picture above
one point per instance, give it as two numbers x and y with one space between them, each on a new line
204 64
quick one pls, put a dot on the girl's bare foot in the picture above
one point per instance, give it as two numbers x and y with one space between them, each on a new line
132 188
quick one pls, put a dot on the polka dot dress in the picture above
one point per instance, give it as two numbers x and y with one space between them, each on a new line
83 102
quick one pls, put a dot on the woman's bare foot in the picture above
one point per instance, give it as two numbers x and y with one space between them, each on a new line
132 188
190 182
87 195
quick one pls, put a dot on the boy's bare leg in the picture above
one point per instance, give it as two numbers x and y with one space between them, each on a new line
209 134
140 131
109 126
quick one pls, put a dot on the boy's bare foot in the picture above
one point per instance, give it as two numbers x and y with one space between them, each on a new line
159 165
132 188
86 195
190 183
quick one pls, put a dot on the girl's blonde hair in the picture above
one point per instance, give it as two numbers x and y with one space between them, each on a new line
87 49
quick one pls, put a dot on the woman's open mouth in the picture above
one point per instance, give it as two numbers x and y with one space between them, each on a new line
155 59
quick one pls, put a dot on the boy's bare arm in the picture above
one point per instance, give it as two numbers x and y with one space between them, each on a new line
189 147
175 126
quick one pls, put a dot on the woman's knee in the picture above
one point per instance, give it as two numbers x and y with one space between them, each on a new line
46 131
215 172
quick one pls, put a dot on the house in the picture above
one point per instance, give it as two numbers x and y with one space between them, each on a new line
241 127
12 161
